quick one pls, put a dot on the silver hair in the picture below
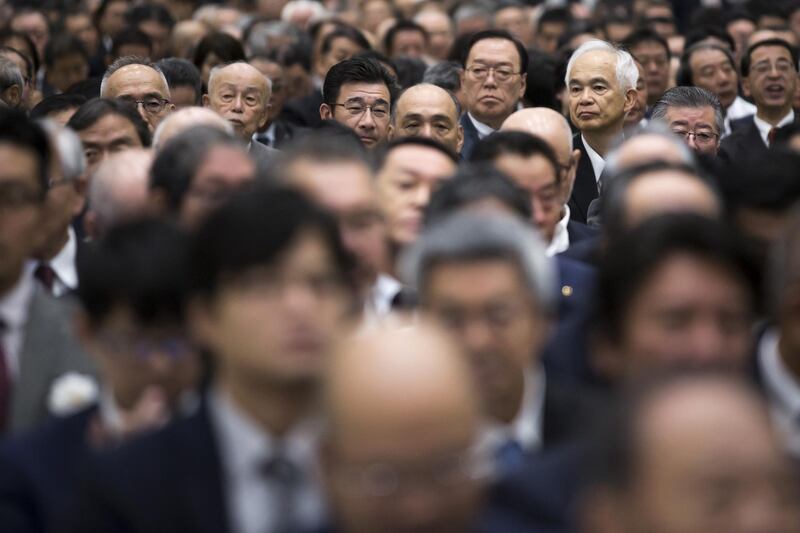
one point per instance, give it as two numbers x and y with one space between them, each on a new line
215 71
10 75
126 61
262 32
107 179
693 97
471 235
473 9
657 128
627 73
69 148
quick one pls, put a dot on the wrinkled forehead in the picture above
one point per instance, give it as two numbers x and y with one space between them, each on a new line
137 81
242 77
595 64
427 101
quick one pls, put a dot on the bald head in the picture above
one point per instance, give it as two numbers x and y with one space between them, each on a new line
240 94
426 110
186 118
545 123
649 148
140 84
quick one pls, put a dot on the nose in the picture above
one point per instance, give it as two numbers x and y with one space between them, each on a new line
707 343
367 120
690 141
584 97
427 131
422 196
477 336
490 76
237 103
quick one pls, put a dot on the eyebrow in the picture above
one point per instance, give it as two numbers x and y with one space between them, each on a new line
591 80
418 116
358 99
145 95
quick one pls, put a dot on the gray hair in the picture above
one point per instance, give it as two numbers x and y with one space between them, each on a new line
657 128
263 32
70 150
465 236
474 9
124 62
215 71
123 169
689 97
446 74
10 75
627 73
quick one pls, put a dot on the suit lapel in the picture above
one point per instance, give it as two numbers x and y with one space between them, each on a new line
470 137
585 188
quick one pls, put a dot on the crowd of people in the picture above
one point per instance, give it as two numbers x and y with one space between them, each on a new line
297 266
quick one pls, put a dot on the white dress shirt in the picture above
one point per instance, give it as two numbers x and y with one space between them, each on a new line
251 498
740 108
764 127
14 307
598 163
63 264
560 240
383 291
484 130
527 427
783 390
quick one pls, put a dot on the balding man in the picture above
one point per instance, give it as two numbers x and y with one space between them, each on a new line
554 129
400 451
142 84
118 191
425 110
240 94
186 118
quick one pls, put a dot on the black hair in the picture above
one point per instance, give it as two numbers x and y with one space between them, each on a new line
149 12
140 265
776 187
130 36
747 57
632 257
348 32
253 229
18 130
410 71
101 10
56 104
496 34
32 57
88 88
556 15
334 128
473 183
294 54
427 142
182 73
89 113
400 26
356 70
684 76
785 133
698 34
645 35
541 85
227 48
516 143
380 57
61 46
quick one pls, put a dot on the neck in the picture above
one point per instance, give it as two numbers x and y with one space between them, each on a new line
790 359
276 408
492 122
600 141
773 115
52 249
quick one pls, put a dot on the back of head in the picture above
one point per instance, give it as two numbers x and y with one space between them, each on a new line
118 190
11 81
56 104
184 119
92 111
445 74
17 130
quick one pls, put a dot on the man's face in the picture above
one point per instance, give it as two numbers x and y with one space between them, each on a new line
697 126
440 33
492 82
135 83
159 36
687 311
67 71
405 183
489 308
223 171
341 48
274 71
35 26
773 78
346 189
636 114
20 210
428 111
183 96
655 60
711 70
63 202
547 36
515 21
538 178
409 43
113 19
240 95
274 323
80 26
596 100
365 109
109 135
668 191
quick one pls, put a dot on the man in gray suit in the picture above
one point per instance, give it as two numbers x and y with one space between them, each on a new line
240 94
36 344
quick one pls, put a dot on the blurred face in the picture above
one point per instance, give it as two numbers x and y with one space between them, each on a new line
63 202
711 70
668 191
597 103
440 32
184 96
299 80
688 311
135 357
20 210
67 71
364 108
547 36
274 323
144 87
697 126
80 26
409 43
655 60
113 19
492 82
274 71
374 13
515 21
109 135
636 114
159 35
224 171
488 307
428 111
341 48
35 26
538 177
405 183
240 95
772 80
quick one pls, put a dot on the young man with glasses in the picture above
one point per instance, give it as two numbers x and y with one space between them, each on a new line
493 81
358 93
139 82
695 115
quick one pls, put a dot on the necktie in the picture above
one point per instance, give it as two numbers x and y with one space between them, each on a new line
771 135
510 456
5 383
46 275
284 476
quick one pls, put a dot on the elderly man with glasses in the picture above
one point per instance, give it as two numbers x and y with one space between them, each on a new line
141 83
695 115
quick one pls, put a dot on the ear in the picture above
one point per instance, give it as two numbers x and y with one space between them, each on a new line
630 100
391 131
13 96
325 112
199 320
746 86
523 84
171 107
90 224
206 101
460 143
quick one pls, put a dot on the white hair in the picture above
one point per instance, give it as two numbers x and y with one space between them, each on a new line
125 62
122 172
318 11
627 73
70 150
215 71
186 118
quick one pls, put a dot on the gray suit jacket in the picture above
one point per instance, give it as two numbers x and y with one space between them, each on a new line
263 155
49 350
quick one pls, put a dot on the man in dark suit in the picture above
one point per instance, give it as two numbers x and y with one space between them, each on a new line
769 76
493 82
146 365
244 461
599 98
277 130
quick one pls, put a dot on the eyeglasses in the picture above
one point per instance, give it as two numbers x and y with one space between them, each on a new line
501 74
783 66
356 109
700 137
152 104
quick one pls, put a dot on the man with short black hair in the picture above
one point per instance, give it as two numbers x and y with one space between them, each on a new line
66 63
406 39
59 108
652 51
183 78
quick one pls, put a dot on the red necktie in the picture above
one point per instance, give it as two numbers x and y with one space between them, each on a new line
46 275
771 135
5 384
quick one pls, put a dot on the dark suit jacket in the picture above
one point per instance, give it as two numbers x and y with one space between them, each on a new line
743 144
470 137
167 481
263 155
585 188
578 232
284 132
304 111
586 251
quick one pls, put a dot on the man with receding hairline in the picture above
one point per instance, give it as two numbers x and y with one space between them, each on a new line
139 82
425 110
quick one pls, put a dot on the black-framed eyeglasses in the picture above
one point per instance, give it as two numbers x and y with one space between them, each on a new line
481 72
700 137
357 109
152 105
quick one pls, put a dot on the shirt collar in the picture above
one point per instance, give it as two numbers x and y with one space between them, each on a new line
781 385
598 163
764 127
64 262
526 427
14 305
484 130
560 240
383 291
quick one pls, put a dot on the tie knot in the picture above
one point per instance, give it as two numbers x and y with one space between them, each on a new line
282 470
771 135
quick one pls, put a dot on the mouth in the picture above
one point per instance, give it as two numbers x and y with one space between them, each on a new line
489 99
775 90
586 115
236 122
367 140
